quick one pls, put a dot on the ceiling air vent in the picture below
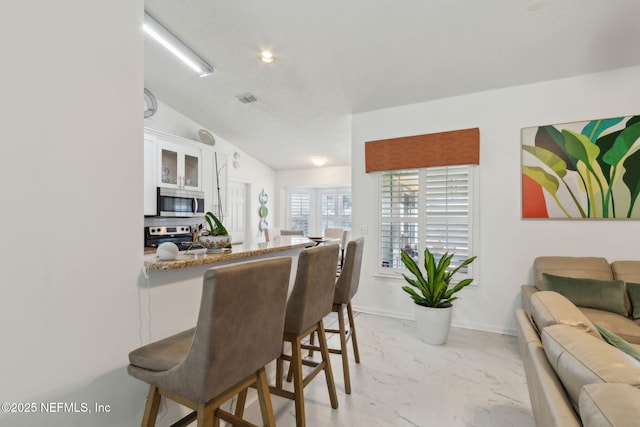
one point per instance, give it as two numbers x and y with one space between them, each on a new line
246 98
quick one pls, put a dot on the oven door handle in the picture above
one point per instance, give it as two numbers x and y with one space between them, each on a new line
194 205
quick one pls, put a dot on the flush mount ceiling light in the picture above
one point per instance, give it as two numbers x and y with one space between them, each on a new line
319 160
266 56
175 46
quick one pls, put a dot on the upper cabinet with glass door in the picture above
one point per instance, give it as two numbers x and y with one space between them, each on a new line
180 166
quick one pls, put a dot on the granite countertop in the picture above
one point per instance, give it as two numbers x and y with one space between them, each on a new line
237 252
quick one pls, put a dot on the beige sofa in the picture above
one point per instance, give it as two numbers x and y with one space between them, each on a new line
575 377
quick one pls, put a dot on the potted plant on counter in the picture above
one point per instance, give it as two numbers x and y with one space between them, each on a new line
432 295
215 237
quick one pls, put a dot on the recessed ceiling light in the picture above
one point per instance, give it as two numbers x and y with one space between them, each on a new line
319 160
266 56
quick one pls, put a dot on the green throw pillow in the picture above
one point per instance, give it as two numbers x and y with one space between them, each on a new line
618 342
634 294
605 295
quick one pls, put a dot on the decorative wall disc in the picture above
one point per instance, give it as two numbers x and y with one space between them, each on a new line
263 211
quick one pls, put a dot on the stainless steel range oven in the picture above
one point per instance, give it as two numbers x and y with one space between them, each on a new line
180 203
181 235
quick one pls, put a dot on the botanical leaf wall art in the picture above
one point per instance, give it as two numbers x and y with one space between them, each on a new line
578 170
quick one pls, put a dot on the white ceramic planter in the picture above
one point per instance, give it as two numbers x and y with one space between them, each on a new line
214 242
433 323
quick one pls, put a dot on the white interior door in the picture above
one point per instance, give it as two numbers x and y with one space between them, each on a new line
237 212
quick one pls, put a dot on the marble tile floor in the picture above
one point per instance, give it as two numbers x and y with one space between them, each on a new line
475 379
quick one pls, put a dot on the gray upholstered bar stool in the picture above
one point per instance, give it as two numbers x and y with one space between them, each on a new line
346 288
310 301
239 331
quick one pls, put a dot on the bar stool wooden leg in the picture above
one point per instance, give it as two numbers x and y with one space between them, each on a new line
324 350
151 407
352 332
311 342
264 398
343 349
279 369
206 415
298 381
240 402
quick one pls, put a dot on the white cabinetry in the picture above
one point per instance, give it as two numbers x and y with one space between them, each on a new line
180 167
169 161
150 171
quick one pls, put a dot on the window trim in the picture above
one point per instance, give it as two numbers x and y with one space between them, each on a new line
315 194
396 273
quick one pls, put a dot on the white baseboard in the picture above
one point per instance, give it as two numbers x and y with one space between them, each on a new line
463 325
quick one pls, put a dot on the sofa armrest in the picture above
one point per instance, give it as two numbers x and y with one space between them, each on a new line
549 401
525 294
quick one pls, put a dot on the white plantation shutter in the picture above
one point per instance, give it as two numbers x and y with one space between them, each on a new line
425 207
299 210
313 209
447 211
335 208
328 207
399 215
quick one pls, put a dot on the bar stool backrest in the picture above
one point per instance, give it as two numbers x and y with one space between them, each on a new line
349 279
239 329
312 296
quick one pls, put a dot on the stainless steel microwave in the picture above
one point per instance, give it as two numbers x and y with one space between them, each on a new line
180 203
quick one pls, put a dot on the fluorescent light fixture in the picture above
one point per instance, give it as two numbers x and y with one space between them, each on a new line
319 160
175 46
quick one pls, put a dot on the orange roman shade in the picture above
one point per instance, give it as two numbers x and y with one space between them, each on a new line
457 147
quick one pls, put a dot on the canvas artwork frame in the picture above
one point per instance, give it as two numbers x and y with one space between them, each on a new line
582 170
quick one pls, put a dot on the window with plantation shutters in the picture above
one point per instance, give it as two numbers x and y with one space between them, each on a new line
425 207
312 209
335 206
299 211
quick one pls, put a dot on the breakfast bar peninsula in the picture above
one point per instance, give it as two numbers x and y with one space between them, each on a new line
281 246
170 291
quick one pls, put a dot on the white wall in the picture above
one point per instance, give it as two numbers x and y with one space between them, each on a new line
72 82
249 171
506 244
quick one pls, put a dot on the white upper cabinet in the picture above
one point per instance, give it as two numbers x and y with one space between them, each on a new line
180 167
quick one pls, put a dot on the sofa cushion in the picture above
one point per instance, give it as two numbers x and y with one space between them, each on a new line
551 308
589 267
609 405
633 289
601 294
619 343
628 271
580 359
620 325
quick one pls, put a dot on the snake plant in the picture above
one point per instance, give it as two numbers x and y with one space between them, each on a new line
433 285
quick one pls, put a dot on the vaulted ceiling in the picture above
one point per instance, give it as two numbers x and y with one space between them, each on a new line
335 58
